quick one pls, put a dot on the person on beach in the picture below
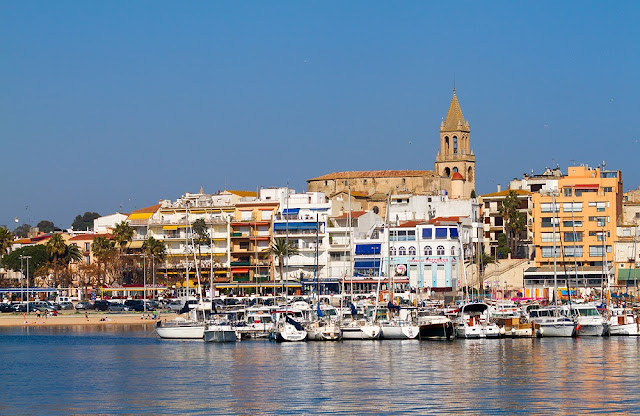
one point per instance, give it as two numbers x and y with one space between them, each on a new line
86 316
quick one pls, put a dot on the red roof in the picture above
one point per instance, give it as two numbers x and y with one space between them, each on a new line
90 236
152 208
439 220
457 176
412 223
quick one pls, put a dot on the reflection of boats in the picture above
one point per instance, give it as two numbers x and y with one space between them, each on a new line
435 326
623 322
180 328
473 322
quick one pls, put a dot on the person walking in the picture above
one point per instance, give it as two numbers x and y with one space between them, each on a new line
86 315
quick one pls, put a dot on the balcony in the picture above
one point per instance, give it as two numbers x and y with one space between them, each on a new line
240 263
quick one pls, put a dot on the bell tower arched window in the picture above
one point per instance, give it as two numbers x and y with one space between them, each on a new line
455 145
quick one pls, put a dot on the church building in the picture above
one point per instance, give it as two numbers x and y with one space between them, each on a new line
454 170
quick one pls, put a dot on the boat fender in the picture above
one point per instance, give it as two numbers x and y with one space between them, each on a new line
578 327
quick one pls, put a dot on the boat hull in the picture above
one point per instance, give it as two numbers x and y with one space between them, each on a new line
399 332
180 332
367 332
555 329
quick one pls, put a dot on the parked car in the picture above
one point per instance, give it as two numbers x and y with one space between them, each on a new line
66 305
139 307
117 307
42 307
174 305
84 305
101 305
20 307
6 307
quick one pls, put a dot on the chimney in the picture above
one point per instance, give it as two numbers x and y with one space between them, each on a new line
499 188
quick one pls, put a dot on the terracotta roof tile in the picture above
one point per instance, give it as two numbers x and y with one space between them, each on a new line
373 174
354 214
82 237
520 192
152 208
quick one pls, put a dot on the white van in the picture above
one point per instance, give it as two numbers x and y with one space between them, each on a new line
61 299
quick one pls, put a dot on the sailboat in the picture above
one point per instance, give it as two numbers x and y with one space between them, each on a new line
550 322
190 327
286 328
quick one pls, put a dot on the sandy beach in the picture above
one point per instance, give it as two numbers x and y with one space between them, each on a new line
73 318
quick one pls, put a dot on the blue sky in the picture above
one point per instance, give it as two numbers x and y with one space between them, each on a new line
110 105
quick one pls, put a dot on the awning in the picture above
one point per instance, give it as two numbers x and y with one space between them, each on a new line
368 248
586 186
135 244
141 216
291 210
283 226
367 264
220 272
454 232
170 227
236 271
628 274
441 232
427 233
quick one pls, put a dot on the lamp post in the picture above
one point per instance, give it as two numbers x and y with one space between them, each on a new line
26 257
504 292
21 279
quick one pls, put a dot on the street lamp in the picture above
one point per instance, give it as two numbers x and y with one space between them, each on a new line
26 257
504 292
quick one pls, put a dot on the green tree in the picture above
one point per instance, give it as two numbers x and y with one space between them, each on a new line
6 239
123 235
38 254
514 220
503 250
104 250
85 221
282 248
22 231
154 249
46 226
57 250
473 193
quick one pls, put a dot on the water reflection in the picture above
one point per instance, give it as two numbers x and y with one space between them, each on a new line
107 370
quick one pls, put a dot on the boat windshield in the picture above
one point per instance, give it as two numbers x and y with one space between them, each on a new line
588 312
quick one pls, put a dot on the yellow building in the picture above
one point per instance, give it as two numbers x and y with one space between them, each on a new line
588 207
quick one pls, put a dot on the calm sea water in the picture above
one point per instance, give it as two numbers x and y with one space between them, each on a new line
118 370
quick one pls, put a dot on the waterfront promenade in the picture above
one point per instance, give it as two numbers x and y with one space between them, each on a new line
78 318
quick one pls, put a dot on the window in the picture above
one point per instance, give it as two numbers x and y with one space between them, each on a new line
600 206
576 223
244 245
412 251
548 207
570 251
598 234
601 221
428 251
596 251
402 251
365 181
572 207
245 215
392 251
548 237
567 191
607 189
441 233
547 252
440 251
427 233
571 237
411 235
266 215
453 251
455 144
498 221
547 222
87 246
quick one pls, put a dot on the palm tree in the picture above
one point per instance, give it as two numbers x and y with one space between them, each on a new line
514 220
104 250
57 249
282 248
200 236
156 249
122 234
6 239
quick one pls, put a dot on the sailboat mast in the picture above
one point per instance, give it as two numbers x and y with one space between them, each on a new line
351 270
575 255
555 264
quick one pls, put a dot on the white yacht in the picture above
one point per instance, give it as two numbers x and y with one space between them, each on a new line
180 328
433 326
473 322
323 330
220 332
288 330
397 329
588 320
359 329
550 322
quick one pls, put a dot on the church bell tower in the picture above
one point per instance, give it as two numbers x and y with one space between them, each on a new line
455 154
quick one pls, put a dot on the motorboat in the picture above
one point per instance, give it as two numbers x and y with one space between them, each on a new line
550 322
437 327
323 330
221 329
473 322
589 322
623 321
